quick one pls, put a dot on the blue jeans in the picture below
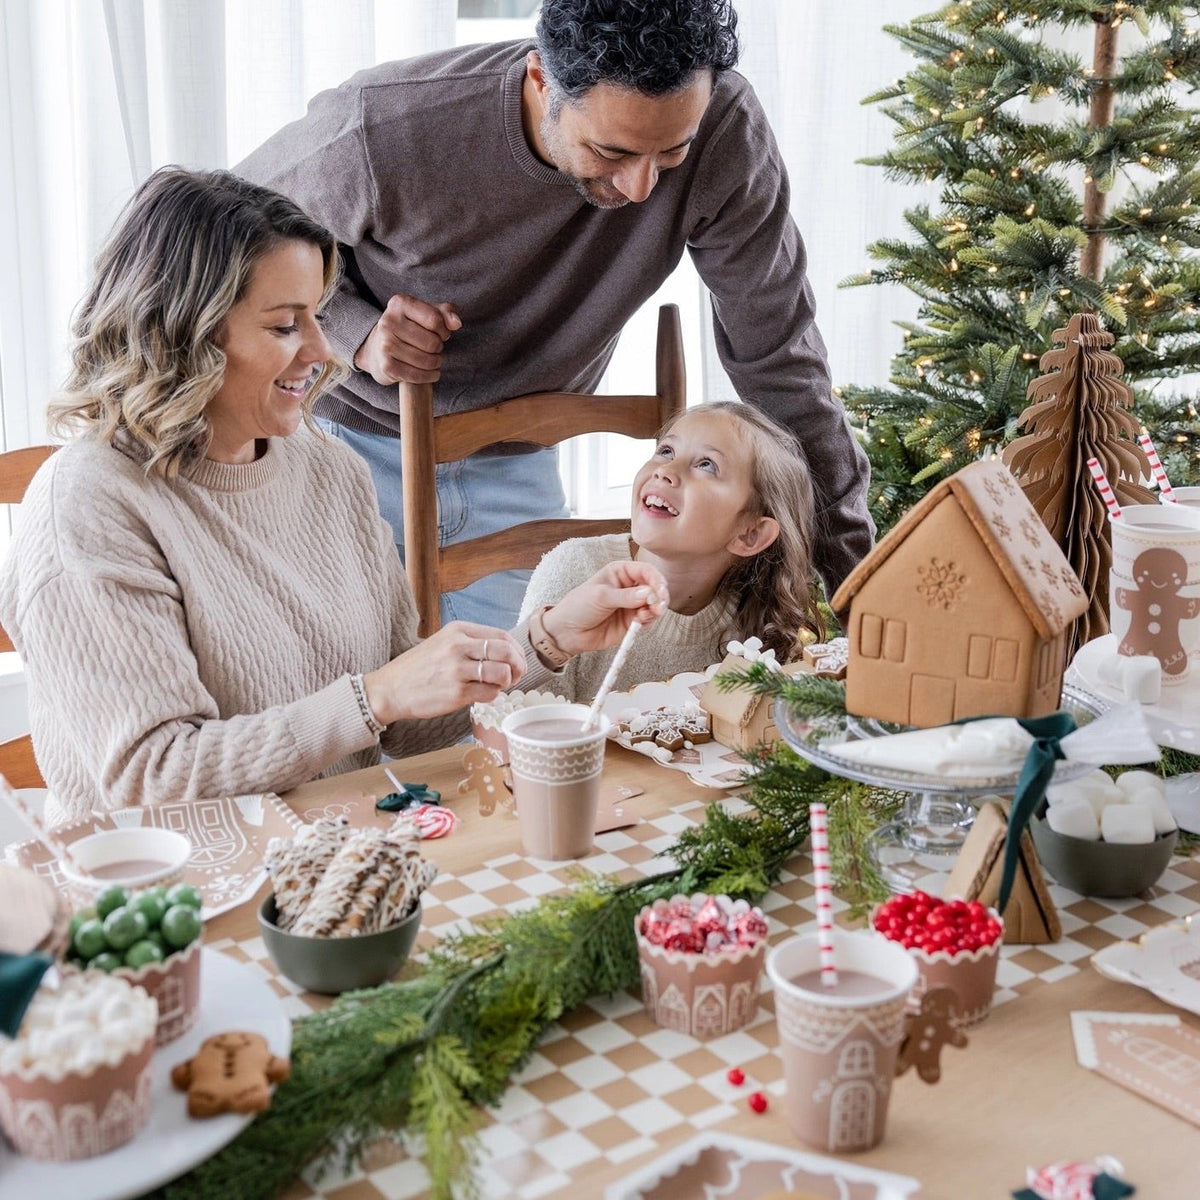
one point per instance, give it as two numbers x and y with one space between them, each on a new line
477 495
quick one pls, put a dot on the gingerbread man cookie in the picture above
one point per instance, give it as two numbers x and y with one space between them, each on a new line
231 1072
928 1031
1157 608
485 777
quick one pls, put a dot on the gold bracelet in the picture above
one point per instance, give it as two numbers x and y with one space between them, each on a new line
540 638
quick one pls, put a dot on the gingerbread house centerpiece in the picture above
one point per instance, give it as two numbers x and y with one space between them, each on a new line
962 609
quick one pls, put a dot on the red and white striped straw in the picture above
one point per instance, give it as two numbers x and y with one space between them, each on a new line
823 880
1165 490
1105 489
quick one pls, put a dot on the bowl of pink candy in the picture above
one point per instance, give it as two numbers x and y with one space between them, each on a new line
702 960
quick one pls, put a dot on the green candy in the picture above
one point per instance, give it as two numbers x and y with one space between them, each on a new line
89 939
142 953
107 961
151 905
184 893
124 926
110 899
181 925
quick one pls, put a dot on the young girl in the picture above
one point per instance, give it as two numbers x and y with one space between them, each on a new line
724 509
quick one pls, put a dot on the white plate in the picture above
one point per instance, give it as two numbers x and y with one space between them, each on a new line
723 1164
1174 720
1165 961
232 996
708 765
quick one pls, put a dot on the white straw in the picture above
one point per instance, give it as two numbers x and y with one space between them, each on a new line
611 677
395 782
823 881
57 847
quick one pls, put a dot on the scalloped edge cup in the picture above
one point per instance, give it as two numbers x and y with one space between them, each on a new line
64 1116
970 974
486 719
703 995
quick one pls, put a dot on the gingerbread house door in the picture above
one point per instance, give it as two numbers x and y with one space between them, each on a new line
930 700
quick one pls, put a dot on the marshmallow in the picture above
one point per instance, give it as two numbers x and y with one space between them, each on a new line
1136 781
1138 677
1127 823
1156 802
1074 818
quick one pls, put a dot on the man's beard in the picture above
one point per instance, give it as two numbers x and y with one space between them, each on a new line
592 190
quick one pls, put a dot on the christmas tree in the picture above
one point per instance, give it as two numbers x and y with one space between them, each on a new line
1093 206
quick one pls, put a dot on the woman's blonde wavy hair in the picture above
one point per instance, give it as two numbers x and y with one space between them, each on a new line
145 359
772 590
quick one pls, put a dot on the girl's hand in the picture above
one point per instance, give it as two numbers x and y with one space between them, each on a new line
597 613
460 664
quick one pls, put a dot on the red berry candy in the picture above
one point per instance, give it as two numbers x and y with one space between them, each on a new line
736 1076
922 922
758 1102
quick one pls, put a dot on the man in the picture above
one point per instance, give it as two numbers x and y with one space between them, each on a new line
503 209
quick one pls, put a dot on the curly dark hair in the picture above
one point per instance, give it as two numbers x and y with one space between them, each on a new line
649 46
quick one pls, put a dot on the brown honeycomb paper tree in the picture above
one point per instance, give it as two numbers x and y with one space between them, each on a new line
1080 410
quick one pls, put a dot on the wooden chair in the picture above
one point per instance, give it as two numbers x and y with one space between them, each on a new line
543 418
17 468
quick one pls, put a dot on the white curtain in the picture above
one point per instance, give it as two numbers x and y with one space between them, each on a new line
98 93
811 64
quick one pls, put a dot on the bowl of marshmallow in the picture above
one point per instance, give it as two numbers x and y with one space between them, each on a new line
1101 836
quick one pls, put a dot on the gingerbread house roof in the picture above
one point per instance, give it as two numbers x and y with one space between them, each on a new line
1031 562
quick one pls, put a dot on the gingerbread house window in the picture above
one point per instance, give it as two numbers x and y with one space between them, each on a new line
1004 660
979 657
858 1058
1047 662
894 633
870 638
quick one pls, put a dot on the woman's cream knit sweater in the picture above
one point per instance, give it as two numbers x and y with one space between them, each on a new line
196 637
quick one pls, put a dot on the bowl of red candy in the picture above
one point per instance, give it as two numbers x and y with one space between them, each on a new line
702 960
956 944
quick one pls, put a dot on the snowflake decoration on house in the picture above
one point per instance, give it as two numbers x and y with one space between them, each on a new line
942 584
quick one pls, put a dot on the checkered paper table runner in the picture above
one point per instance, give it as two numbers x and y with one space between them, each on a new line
607 1081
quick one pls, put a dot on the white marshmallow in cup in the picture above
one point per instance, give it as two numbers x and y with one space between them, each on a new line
1127 824
1136 781
1074 817
1160 813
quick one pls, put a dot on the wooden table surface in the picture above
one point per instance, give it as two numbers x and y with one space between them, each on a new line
1014 1097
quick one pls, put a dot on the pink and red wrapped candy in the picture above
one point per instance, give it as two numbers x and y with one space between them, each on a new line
702 924
1098 1180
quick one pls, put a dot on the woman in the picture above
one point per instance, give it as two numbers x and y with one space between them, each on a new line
204 595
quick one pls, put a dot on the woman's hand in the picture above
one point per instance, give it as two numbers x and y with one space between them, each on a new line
597 613
460 664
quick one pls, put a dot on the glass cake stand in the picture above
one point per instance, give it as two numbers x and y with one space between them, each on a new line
928 832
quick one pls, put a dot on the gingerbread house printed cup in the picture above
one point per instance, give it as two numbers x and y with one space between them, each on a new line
76 1082
840 1045
1154 586
701 992
556 770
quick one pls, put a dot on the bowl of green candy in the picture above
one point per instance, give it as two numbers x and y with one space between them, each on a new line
150 938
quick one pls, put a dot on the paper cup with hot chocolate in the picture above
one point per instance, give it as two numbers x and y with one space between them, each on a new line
1154 586
841 1045
142 857
556 770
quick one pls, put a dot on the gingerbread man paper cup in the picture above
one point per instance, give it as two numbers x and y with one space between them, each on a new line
1154 586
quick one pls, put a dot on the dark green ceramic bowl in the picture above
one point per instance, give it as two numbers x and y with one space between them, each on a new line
334 965
1109 869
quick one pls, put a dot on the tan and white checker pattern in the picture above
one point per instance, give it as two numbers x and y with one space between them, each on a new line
606 1080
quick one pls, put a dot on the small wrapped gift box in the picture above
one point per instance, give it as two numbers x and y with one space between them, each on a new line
695 981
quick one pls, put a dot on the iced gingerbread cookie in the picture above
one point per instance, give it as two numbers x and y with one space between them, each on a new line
669 727
231 1073
829 659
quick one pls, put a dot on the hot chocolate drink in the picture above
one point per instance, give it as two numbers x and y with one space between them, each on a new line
133 868
556 729
850 984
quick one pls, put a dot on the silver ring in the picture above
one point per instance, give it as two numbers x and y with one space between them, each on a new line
479 670
485 645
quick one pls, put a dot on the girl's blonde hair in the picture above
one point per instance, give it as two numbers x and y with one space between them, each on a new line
145 359
772 590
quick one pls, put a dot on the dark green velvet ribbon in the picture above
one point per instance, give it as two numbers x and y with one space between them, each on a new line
1036 774
20 977
410 795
